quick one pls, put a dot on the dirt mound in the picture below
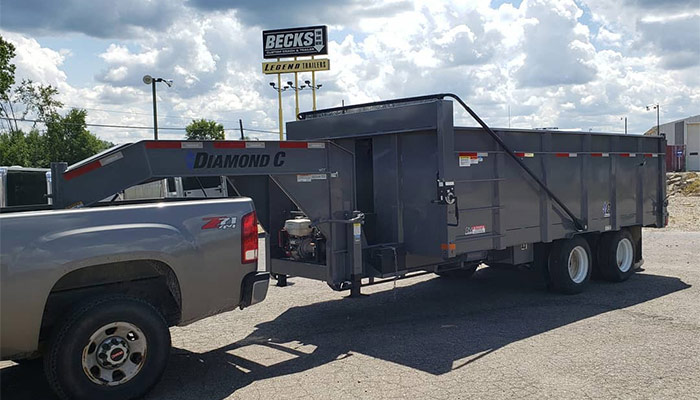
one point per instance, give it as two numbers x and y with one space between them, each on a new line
685 183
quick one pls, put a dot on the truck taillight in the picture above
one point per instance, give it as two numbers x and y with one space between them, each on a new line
249 238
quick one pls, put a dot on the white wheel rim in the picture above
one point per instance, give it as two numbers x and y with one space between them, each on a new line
624 255
578 264
114 354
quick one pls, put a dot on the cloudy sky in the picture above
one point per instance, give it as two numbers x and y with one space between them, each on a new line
574 64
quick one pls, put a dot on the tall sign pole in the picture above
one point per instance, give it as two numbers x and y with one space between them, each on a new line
296 92
294 43
313 85
279 102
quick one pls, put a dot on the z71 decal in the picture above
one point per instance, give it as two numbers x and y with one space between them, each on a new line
219 222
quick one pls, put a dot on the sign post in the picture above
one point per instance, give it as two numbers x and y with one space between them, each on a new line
295 43
279 102
313 86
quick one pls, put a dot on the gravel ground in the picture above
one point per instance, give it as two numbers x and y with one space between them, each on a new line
500 335
684 213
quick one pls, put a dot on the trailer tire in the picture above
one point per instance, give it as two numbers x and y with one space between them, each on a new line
459 273
616 256
570 265
110 348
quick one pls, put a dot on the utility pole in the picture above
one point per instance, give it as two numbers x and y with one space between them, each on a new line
625 118
240 124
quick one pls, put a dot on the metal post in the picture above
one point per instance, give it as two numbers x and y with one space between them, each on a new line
313 86
155 111
279 100
625 125
240 124
658 128
296 92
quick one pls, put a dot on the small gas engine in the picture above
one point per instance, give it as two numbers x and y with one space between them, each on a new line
301 241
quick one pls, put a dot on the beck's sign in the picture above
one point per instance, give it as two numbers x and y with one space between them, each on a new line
278 67
293 42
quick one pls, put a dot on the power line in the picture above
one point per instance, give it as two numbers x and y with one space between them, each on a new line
96 125
144 114
170 128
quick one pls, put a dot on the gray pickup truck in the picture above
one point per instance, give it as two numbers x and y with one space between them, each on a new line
93 290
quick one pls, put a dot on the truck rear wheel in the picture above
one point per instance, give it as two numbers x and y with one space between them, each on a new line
616 256
569 265
109 348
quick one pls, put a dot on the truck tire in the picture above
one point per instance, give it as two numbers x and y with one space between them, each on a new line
616 256
569 265
459 273
109 348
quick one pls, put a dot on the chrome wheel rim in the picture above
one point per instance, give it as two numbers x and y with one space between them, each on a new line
578 264
624 255
114 354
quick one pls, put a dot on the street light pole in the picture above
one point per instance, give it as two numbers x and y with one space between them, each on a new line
652 107
658 127
149 80
155 111
625 118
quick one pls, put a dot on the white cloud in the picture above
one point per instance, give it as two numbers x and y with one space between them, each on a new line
543 59
37 63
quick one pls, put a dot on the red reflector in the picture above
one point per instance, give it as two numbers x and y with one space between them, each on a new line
162 145
229 145
648 155
562 154
520 154
293 145
249 238
468 154
82 170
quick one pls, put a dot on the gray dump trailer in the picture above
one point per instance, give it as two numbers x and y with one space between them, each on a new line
383 190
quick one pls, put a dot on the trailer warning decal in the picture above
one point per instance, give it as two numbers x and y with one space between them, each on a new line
468 159
310 177
475 230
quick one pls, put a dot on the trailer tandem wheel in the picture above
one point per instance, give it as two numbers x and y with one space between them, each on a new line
615 258
570 264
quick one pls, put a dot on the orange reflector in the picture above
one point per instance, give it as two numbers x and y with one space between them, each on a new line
446 246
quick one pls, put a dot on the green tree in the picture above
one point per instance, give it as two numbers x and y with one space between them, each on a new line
67 139
203 129
13 148
7 79
38 99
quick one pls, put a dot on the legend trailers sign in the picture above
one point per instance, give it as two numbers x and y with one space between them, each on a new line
293 42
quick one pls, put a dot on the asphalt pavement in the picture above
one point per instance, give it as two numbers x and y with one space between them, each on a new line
498 335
